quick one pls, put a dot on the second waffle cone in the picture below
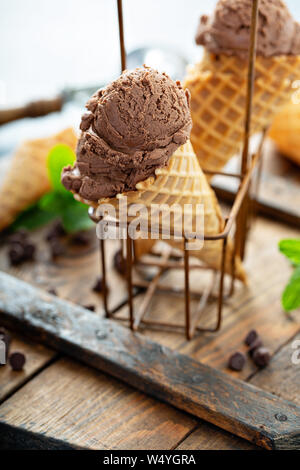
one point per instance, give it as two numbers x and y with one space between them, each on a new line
218 87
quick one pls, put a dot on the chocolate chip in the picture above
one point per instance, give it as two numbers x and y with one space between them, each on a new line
16 254
261 357
29 251
98 286
17 361
92 308
56 248
81 238
251 337
21 249
255 345
119 263
52 292
237 361
57 230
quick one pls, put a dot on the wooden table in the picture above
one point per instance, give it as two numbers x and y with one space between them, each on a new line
64 404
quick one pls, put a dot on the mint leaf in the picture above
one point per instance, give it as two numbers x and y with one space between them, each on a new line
291 249
55 202
59 156
32 218
76 218
291 294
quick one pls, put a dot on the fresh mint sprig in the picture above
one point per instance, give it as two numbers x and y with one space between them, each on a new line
58 203
291 295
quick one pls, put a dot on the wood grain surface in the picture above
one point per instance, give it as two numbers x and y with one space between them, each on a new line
37 357
74 273
156 370
114 416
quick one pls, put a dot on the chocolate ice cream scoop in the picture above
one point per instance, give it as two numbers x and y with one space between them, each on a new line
228 30
132 128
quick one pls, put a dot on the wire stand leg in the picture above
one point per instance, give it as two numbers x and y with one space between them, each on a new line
104 279
187 291
129 279
221 288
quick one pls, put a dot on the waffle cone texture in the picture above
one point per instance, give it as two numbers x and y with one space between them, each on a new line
183 182
218 87
27 178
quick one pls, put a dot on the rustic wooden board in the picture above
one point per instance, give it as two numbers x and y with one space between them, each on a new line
282 376
207 437
188 385
257 306
82 407
37 357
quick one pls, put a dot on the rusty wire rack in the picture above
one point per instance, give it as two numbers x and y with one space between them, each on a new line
239 219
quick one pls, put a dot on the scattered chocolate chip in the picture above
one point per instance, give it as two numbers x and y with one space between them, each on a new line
119 263
29 251
16 255
255 345
17 361
5 337
251 337
20 248
56 248
52 292
261 357
237 361
98 286
92 308
82 238
57 230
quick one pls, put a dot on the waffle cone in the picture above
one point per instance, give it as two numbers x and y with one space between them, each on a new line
181 183
285 131
27 177
218 87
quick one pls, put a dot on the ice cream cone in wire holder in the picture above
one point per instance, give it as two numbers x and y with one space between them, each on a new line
135 151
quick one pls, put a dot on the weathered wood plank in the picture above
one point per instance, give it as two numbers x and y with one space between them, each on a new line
282 376
37 357
188 385
82 407
257 306
208 437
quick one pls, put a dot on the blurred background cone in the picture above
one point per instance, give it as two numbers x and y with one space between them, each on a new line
27 177
285 131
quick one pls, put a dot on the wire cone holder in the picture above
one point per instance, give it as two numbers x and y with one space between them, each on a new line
238 219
